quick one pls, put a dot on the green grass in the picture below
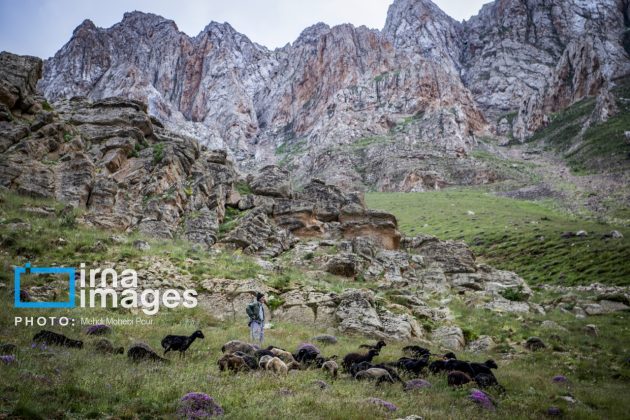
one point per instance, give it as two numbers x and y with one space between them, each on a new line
68 383
507 233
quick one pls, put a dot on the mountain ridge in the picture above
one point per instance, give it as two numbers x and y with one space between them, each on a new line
425 82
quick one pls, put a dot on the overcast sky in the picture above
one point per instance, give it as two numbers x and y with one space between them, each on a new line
41 27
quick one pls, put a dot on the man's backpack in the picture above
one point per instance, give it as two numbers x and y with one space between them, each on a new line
251 311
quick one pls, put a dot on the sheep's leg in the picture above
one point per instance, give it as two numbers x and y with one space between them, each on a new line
166 350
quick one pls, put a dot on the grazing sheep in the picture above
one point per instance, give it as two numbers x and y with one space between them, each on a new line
320 360
306 355
260 353
251 361
416 351
52 338
262 362
180 343
459 365
485 380
449 355
378 346
331 367
106 347
354 358
358 367
437 366
414 366
140 352
484 367
232 362
237 345
276 365
458 378
294 365
377 374
307 346
285 356
391 369
8 348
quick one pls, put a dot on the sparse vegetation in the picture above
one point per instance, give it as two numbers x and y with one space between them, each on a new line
158 153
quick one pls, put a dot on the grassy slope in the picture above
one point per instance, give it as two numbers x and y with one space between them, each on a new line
506 233
79 383
603 147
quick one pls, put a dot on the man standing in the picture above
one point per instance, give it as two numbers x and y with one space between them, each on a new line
256 313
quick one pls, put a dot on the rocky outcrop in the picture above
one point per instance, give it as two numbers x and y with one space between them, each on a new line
539 57
111 159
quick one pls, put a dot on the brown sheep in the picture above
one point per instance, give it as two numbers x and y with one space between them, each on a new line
262 363
458 378
331 367
232 362
276 365
294 365
377 374
285 356
237 345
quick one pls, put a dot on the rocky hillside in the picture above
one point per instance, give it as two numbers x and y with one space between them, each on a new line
397 109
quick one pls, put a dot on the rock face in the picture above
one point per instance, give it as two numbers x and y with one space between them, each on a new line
110 158
394 110
538 57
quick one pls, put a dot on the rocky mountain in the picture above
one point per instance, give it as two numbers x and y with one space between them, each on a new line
397 109
125 172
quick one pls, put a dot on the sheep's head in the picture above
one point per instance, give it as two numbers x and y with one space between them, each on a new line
198 334
120 350
491 364
449 355
380 344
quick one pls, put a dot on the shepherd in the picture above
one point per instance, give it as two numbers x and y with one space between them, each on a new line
256 313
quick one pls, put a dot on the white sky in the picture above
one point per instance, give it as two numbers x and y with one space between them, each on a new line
41 27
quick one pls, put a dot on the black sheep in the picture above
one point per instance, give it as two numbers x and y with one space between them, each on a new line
378 346
485 380
306 355
391 370
260 353
320 360
353 358
138 353
459 365
437 366
449 355
416 351
458 378
180 342
414 366
249 360
52 338
484 367
358 367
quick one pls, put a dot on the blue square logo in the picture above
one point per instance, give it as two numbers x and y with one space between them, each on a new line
19 271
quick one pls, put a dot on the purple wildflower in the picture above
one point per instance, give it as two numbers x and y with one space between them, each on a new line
98 329
307 346
481 398
385 404
417 384
554 412
8 359
197 405
560 379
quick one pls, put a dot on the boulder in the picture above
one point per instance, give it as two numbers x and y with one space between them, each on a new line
483 344
449 337
346 264
271 181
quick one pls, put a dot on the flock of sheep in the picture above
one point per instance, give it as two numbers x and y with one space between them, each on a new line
239 356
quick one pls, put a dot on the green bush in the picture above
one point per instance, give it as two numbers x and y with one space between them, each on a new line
515 294
158 153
